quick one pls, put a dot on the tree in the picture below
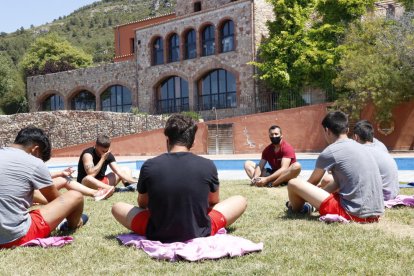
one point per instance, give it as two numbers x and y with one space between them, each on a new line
50 54
303 45
377 66
6 82
282 62
12 92
408 4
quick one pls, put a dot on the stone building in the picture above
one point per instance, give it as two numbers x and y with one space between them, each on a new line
196 59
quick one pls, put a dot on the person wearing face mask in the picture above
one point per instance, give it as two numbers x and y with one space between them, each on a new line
282 159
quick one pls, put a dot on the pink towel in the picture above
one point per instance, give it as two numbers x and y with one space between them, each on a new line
213 247
328 218
50 242
400 200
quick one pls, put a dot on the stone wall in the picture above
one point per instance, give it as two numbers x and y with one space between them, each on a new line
94 79
263 12
192 70
185 7
67 128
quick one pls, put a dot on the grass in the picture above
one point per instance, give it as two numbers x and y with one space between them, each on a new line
292 246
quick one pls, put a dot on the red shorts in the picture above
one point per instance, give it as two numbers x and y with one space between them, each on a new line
38 229
332 205
105 180
140 221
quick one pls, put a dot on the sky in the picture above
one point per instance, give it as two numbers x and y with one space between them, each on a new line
23 13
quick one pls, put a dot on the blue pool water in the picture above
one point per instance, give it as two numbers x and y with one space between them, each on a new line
237 164
307 164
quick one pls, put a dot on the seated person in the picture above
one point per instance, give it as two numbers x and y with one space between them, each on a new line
364 134
63 179
375 142
282 159
94 162
178 192
356 190
23 170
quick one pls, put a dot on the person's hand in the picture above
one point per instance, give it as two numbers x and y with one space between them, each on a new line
67 172
259 181
106 154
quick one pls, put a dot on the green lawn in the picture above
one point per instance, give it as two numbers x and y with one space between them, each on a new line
292 246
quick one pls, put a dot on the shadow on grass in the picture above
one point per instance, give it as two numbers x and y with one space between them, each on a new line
114 237
287 216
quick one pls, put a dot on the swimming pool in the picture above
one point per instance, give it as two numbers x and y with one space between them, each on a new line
403 163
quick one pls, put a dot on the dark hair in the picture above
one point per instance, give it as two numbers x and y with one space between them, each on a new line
31 135
274 127
364 130
103 141
336 122
180 130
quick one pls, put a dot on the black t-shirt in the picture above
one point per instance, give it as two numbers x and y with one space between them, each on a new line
81 169
178 185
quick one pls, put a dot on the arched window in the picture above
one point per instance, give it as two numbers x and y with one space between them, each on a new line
227 37
116 98
217 89
53 102
190 45
174 48
208 43
173 95
84 100
158 51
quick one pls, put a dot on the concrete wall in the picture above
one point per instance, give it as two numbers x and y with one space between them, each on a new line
66 128
402 138
301 127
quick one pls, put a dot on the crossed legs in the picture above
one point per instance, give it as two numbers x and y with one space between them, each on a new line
62 182
301 191
231 208
93 183
68 205
282 175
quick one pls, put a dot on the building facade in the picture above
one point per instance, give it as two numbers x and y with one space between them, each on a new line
196 59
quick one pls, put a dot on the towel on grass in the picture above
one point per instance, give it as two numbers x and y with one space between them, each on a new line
328 218
212 247
50 242
400 200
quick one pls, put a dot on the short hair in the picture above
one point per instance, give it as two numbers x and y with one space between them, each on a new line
274 127
103 141
364 130
31 135
180 130
336 122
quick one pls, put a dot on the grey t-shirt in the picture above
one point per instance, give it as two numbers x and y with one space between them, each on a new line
21 173
380 145
356 173
388 170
